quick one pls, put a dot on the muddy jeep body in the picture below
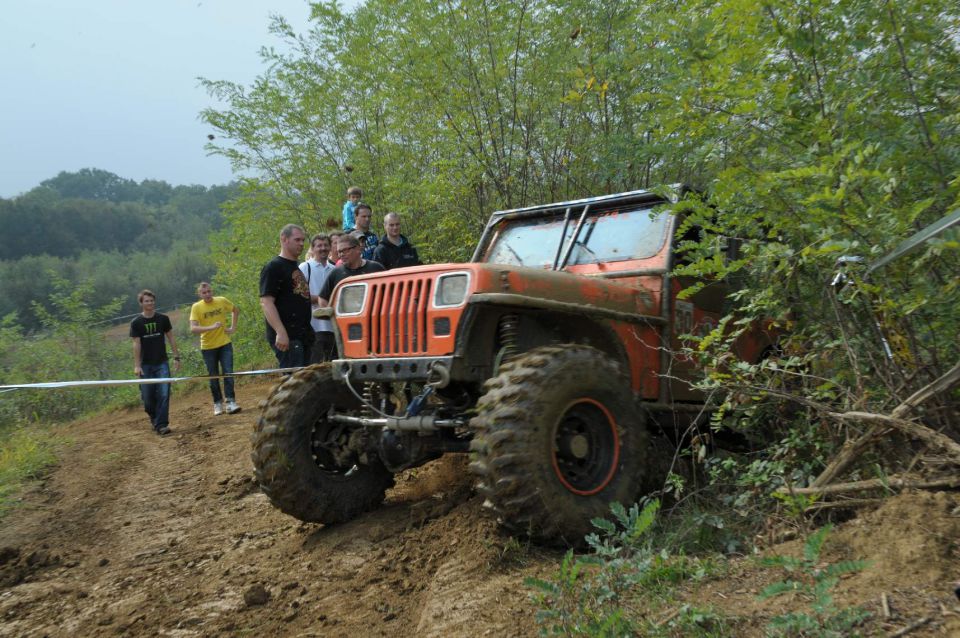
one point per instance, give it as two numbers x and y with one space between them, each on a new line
546 357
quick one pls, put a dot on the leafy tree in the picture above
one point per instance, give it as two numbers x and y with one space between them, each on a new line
153 231
812 131
92 183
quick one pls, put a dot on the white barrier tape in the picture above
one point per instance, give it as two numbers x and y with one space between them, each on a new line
108 382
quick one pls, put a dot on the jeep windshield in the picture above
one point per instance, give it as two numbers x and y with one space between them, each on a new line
606 236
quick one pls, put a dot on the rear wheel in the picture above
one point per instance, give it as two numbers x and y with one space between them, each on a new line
557 439
309 466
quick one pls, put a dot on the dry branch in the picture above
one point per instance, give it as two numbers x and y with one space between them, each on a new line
917 624
950 378
915 430
852 449
845 503
874 484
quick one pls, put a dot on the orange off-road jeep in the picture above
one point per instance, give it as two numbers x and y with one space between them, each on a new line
545 357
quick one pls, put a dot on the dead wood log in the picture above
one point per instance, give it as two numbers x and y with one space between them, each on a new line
874 484
852 449
845 503
916 430
916 624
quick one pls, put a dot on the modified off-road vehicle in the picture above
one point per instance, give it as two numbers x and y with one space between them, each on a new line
546 357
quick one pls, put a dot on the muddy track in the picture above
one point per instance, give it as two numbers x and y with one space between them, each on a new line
134 534
139 534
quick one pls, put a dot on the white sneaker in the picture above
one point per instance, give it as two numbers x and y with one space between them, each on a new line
217 409
232 407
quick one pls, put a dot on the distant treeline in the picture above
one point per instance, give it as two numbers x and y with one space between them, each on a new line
117 233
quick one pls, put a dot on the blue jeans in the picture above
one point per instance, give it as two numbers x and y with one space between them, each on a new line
217 360
156 396
298 354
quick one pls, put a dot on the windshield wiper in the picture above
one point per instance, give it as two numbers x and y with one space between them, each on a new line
514 253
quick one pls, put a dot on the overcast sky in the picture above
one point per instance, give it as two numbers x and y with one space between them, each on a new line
111 84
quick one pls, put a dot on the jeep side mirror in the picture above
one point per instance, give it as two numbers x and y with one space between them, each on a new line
840 277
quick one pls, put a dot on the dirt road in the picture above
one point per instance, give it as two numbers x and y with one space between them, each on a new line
134 534
145 535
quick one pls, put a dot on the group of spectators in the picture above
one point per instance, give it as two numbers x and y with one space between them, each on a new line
289 293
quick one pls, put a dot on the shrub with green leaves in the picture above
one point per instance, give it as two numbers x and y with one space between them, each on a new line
813 583
71 346
25 454
594 594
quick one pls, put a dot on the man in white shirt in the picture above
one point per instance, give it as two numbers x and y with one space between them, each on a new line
316 270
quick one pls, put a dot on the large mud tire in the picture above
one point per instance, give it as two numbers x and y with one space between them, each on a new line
557 439
293 467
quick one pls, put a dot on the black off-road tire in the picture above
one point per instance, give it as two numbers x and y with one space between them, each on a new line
558 438
293 471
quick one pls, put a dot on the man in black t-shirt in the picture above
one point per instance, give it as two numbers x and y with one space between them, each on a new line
150 331
352 264
285 301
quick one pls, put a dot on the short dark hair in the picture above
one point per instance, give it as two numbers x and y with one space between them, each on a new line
348 239
314 239
287 230
144 293
354 190
362 205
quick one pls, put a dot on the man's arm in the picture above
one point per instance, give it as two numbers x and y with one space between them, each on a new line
196 328
269 307
173 346
137 370
233 321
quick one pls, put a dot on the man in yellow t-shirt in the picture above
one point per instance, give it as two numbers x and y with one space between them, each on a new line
208 318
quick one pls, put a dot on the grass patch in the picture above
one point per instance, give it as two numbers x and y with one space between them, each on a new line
26 454
625 583
111 457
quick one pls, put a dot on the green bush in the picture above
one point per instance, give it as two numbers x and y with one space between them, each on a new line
813 582
25 454
595 594
70 347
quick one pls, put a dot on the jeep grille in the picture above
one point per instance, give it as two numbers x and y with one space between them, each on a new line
397 321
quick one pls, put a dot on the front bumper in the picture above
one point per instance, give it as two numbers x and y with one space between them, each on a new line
393 369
